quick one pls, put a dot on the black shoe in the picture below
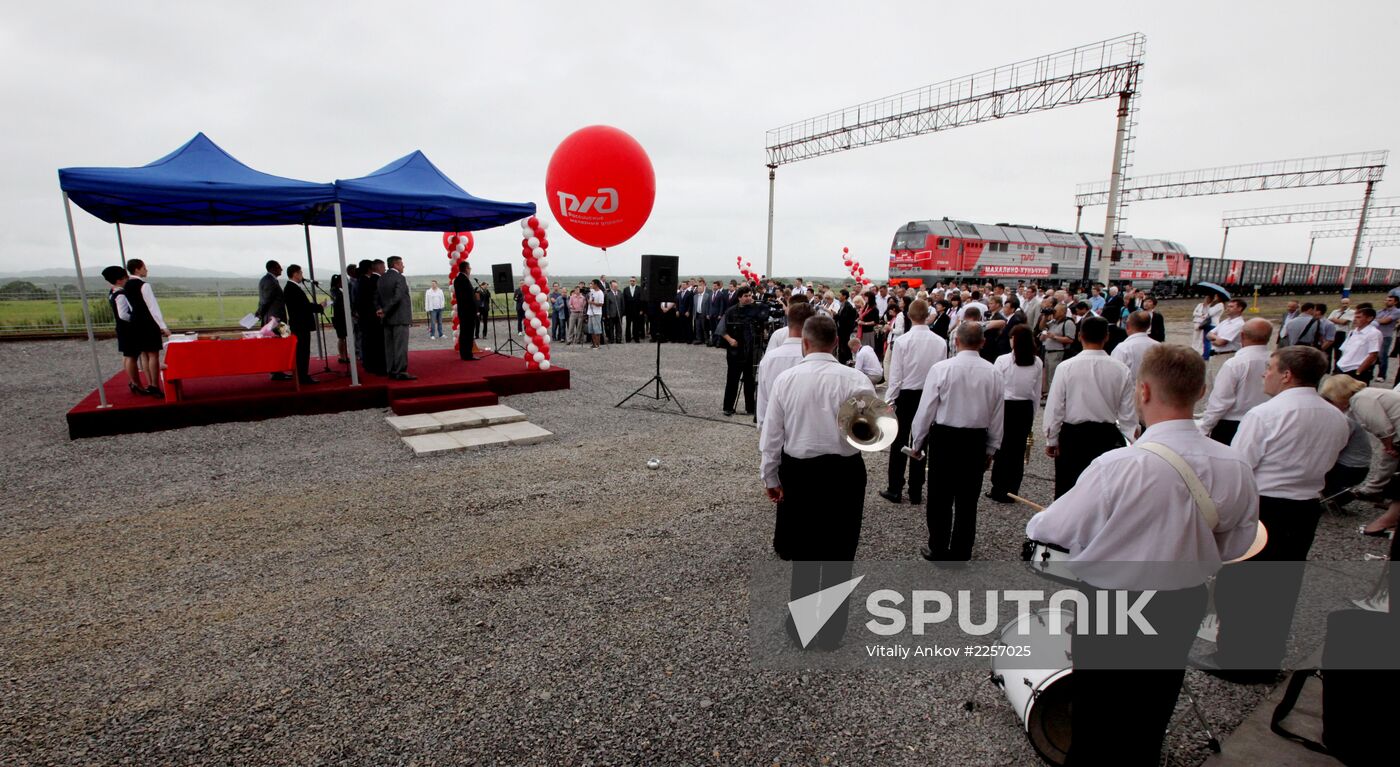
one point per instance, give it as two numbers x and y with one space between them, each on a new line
999 497
729 412
154 391
916 496
137 389
281 377
470 359
892 497
405 377
307 381
927 554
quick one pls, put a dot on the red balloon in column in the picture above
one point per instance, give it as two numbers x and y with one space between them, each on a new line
600 186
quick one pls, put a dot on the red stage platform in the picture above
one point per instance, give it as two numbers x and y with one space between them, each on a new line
444 382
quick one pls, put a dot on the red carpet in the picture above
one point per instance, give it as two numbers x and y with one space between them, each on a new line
444 382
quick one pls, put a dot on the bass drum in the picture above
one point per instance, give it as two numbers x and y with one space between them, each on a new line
1040 696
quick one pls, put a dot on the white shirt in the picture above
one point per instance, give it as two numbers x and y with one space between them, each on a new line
1292 441
1228 331
774 341
868 362
1090 387
962 309
1342 318
433 299
896 328
1359 343
1131 350
123 307
801 417
963 392
1238 388
1131 506
787 354
595 297
1021 382
800 290
881 303
911 356
1200 316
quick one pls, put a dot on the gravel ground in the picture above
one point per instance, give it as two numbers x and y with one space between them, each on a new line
304 591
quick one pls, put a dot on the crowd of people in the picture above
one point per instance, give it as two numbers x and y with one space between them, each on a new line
1140 475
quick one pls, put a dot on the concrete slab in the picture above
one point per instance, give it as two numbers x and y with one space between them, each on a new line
477 437
408 425
523 432
495 414
462 418
433 443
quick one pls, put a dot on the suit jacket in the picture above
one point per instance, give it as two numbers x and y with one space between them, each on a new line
612 303
1001 344
300 311
846 320
685 304
704 302
393 298
465 292
1158 331
270 299
631 299
720 303
1113 309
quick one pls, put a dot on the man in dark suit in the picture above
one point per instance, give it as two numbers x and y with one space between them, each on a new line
612 313
845 326
464 292
685 308
271 303
1158 331
999 339
719 303
270 300
301 319
366 308
1113 307
701 321
396 311
634 310
483 307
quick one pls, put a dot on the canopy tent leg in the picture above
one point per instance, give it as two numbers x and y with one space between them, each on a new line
121 247
311 268
349 316
87 312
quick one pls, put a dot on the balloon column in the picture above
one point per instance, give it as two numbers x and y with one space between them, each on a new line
459 246
857 271
746 269
535 247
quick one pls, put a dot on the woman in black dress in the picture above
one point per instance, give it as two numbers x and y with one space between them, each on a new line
338 317
147 326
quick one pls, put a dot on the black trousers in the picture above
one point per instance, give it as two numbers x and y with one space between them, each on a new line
303 353
1010 465
843 348
1357 374
466 335
739 369
373 343
1119 714
905 406
636 325
1341 477
818 527
1080 444
612 329
1224 431
1255 605
956 480
481 323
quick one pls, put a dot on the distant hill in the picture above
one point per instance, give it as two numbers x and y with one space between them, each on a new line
182 272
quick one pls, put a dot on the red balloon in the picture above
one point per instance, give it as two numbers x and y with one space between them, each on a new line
544 243
600 186
845 250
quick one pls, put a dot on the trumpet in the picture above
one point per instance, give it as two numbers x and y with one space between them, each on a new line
867 422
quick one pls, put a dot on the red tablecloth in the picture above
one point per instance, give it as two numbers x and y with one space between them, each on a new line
210 359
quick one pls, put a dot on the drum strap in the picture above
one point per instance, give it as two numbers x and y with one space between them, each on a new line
1198 490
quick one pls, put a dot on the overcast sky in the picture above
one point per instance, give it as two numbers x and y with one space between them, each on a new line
320 91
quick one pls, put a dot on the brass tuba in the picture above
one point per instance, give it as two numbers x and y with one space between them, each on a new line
867 422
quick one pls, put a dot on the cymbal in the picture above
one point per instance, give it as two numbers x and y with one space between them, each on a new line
1261 539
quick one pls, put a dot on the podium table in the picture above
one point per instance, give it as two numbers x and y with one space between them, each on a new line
214 359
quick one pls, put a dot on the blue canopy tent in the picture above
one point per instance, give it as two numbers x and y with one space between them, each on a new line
200 184
411 194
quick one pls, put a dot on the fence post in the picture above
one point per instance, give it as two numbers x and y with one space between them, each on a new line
220 292
62 317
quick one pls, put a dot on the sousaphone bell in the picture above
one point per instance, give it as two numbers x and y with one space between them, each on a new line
867 422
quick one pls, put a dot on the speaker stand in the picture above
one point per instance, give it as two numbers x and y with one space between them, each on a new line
511 345
663 392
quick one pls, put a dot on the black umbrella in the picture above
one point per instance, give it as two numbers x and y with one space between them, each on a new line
1212 287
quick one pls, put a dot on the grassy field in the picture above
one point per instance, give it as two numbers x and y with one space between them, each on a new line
1270 307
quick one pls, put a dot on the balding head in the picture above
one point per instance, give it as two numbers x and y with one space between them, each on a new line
969 337
1139 322
1257 332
